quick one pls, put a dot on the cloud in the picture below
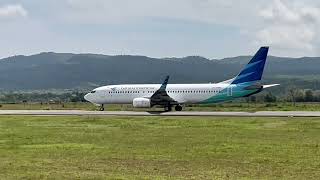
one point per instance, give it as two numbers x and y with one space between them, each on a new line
290 26
12 11
123 11
211 27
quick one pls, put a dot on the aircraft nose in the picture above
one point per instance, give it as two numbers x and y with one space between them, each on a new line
88 97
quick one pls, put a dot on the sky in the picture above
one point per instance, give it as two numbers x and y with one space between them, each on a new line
160 28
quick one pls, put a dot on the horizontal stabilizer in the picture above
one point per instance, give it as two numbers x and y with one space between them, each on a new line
270 85
254 87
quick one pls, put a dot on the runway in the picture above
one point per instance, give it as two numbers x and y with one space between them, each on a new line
183 113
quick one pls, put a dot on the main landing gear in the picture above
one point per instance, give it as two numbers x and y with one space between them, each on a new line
101 107
169 108
178 108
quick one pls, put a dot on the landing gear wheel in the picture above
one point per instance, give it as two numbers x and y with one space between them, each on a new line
101 108
167 108
178 108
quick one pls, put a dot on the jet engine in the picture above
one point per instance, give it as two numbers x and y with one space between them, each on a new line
141 103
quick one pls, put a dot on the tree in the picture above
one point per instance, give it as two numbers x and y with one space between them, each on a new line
309 96
300 95
253 99
292 92
270 98
78 97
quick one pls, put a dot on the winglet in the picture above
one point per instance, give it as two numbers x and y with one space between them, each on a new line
165 83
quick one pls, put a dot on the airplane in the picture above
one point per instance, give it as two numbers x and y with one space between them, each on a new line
245 84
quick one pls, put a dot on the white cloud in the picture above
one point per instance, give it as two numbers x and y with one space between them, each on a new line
286 25
12 11
289 25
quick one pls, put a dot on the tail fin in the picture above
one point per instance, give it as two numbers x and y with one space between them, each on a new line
254 69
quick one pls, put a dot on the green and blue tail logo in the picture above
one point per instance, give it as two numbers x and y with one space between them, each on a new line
254 69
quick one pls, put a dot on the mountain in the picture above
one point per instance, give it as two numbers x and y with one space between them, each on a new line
85 71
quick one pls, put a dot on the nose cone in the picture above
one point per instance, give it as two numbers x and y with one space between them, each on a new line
88 97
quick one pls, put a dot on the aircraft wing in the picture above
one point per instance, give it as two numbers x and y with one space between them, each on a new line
160 97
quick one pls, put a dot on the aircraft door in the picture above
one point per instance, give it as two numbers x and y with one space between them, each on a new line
229 91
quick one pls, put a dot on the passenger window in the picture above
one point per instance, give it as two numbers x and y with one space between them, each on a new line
93 92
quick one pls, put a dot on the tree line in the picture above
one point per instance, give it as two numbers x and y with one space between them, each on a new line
291 95
42 97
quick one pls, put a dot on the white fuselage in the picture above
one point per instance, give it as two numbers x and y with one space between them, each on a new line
245 84
182 93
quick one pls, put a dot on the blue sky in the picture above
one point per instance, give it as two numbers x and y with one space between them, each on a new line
160 28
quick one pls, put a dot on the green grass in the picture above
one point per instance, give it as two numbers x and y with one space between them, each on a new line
45 106
159 148
233 106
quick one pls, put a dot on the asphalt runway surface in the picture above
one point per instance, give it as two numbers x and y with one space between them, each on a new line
173 113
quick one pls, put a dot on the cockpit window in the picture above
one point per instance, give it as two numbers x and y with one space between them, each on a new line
92 92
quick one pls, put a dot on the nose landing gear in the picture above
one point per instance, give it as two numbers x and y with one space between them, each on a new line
101 107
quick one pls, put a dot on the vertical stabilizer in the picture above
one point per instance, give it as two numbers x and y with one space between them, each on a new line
254 69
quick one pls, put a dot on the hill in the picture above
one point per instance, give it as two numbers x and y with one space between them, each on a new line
85 71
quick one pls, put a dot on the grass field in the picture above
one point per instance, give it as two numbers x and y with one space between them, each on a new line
159 148
233 106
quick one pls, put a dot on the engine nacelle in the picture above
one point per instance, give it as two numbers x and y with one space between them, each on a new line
141 103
